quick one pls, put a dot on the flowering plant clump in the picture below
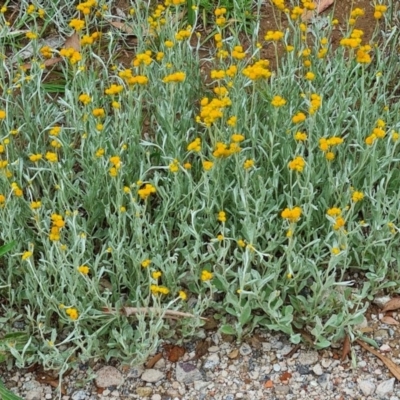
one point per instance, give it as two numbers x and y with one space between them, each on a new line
164 178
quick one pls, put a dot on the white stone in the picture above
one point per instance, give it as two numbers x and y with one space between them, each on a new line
277 367
108 376
367 387
156 397
245 349
317 369
308 358
211 362
385 388
199 385
213 349
152 375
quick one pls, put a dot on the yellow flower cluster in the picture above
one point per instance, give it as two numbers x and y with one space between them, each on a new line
51 157
362 56
90 39
248 164
83 269
77 24
114 89
3 114
273 36
17 191
296 12
72 313
142 58
308 5
336 213
26 255
259 70
207 165
131 79
326 145
357 196
354 40
211 111
222 216
297 164
278 101
174 166
223 150
291 214
71 54
279 4
206 275
184 34
156 17
357 12
379 11
116 165
377 133
298 118
238 53
315 102
145 263
85 98
156 290
220 14
175 77
146 191
195 145
86 6
57 224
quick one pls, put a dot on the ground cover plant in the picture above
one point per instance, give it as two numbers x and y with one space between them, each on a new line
150 168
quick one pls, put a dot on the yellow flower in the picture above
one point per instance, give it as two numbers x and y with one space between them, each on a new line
85 98
232 121
274 36
77 24
241 243
357 196
145 192
156 274
83 269
31 35
182 295
300 136
339 223
291 214
310 76
99 112
35 205
174 166
297 164
330 155
237 138
248 164
51 157
2 114
114 89
35 157
335 250
334 211
26 255
146 263
299 117
278 101
206 275
207 165
220 237
222 216
175 77
72 313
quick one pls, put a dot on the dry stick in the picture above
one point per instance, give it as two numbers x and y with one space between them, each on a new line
146 310
393 368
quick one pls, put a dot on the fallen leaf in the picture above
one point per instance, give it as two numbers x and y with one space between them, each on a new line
201 349
285 376
256 342
393 304
174 353
212 323
73 42
51 380
346 348
153 360
233 354
294 350
393 368
269 384
387 319
320 6
367 329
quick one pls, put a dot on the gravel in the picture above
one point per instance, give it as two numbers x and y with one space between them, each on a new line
255 369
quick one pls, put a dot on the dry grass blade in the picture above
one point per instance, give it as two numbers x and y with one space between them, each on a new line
146 310
46 63
393 368
393 304
346 348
